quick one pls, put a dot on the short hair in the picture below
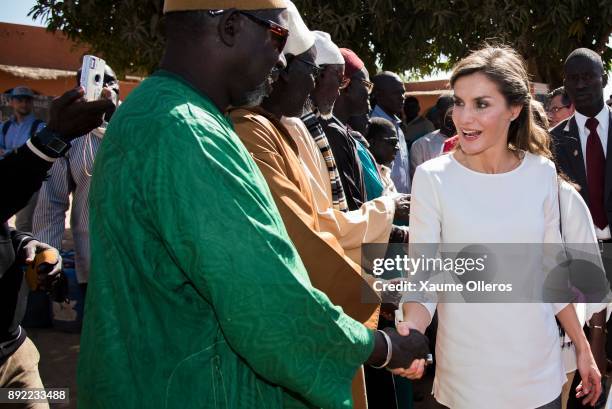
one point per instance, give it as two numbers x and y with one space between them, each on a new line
384 76
411 99
588 54
559 92
444 101
379 126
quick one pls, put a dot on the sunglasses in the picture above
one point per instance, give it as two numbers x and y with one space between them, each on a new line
369 85
390 141
315 70
278 33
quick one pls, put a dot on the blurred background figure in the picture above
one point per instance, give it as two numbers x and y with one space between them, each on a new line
415 126
389 94
430 145
71 176
14 133
560 107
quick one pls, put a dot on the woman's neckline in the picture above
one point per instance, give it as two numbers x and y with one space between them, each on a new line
510 172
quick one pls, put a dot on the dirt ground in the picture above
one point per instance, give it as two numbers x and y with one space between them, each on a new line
59 353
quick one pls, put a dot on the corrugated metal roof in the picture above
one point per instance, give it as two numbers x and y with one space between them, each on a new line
36 73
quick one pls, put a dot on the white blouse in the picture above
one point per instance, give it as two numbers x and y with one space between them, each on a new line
491 355
577 228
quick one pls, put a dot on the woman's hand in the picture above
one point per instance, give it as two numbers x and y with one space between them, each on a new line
417 368
590 387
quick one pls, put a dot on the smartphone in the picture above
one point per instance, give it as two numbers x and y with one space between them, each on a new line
92 77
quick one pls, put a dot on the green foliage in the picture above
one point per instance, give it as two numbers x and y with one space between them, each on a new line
128 34
395 35
412 34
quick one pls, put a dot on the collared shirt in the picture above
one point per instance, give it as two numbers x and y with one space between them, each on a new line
388 185
17 134
603 117
371 177
400 170
69 176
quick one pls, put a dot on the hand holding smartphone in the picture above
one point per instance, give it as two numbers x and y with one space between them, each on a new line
92 77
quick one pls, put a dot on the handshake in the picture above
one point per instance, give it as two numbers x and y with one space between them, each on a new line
404 353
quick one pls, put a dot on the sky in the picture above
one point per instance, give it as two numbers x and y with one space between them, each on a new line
16 11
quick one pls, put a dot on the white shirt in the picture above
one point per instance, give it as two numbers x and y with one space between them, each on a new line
602 130
502 356
577 228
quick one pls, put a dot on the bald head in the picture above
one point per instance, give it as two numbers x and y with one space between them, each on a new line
385 79
586 54
389 92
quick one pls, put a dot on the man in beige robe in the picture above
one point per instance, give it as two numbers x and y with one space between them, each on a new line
276 155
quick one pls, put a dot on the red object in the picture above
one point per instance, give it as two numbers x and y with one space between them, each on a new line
596 165
450 144
352 63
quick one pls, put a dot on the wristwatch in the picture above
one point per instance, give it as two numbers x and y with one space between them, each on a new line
50 143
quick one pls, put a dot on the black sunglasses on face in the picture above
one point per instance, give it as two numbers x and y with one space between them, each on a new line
315 70
278 33
390 141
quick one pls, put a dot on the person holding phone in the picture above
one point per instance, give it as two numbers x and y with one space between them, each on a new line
71 176
23 171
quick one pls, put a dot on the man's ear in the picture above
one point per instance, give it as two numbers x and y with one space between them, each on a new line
604 79
229 27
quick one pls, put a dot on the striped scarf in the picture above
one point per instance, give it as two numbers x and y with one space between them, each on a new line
311 120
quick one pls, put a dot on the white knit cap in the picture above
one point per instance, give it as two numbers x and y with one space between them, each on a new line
327 51
300 38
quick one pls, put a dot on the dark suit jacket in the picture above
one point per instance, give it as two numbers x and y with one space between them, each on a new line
569 159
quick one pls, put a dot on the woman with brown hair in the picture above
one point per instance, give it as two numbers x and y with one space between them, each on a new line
498 186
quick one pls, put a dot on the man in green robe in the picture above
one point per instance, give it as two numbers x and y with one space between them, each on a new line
197 297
